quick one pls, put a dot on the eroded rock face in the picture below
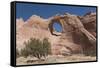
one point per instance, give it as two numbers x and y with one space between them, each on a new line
70 41
89 22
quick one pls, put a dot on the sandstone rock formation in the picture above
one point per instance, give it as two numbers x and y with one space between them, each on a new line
78 35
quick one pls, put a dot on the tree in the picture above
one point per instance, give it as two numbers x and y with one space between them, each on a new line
46 47
36 48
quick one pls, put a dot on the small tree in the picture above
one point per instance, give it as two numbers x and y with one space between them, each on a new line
46 47
36 48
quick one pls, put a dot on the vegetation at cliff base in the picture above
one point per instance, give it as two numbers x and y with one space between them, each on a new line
36 48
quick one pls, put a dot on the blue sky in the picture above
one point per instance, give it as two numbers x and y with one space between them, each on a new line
25 10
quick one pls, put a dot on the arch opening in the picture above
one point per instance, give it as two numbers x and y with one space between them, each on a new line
57 27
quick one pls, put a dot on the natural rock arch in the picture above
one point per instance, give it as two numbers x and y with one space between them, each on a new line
72 21
55 19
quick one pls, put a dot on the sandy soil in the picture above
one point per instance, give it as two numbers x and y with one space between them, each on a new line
54 59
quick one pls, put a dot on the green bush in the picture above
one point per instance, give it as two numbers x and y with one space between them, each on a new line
36 48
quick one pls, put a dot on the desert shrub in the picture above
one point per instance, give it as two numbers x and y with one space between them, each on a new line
17 53
36 48
90 53
46 47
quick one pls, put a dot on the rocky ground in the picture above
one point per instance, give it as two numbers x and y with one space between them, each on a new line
54 59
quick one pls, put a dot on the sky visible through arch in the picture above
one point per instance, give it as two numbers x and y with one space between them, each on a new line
26 10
